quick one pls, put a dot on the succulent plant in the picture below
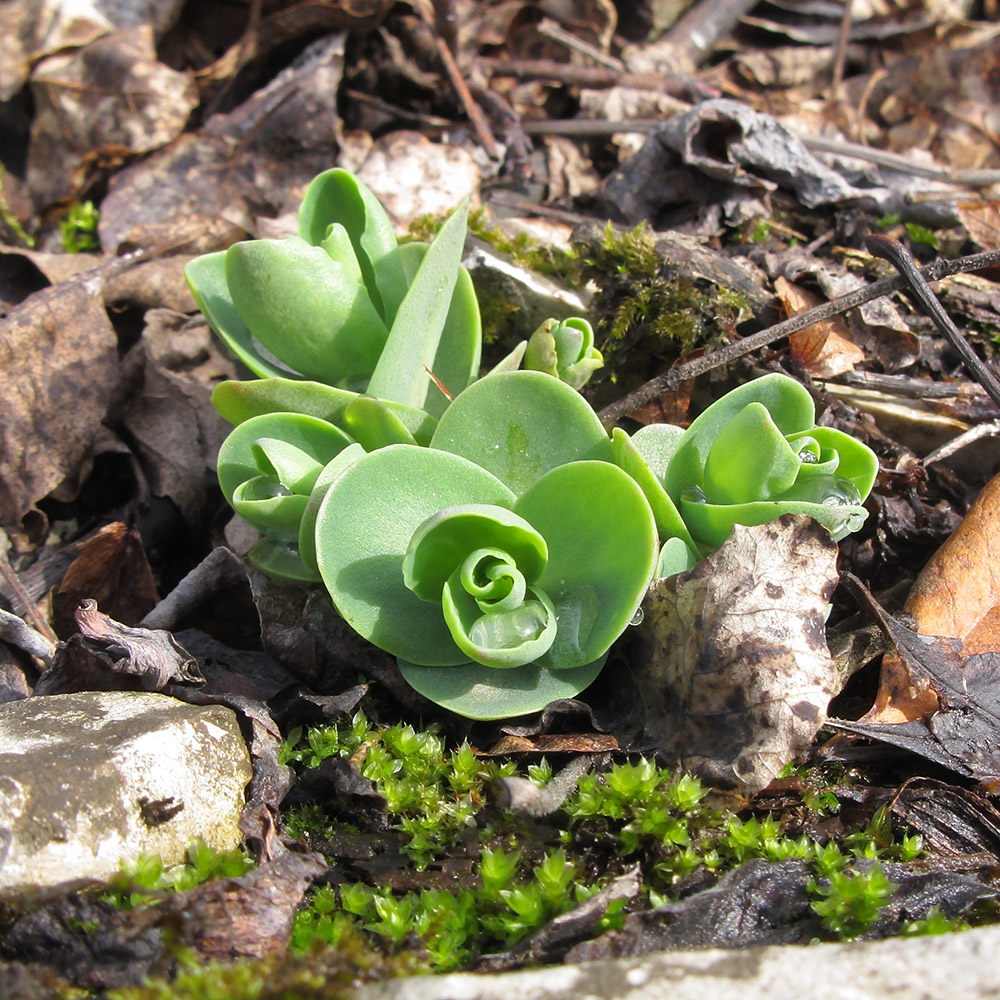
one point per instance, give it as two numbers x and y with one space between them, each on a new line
753 455
487 533
565 349
500 563
344 305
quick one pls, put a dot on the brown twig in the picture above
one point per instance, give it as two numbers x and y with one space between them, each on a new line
31 608
893 251
588 76
840 53
550 29
676 377
472 109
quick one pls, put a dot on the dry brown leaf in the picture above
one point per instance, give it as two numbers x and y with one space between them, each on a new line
111 94
111 568
824 349
733 663
202 191
59 359
957 595
982 221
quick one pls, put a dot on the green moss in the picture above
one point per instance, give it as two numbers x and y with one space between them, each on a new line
432 794
78 228
523 249
637 301
635 812
319 973
143 880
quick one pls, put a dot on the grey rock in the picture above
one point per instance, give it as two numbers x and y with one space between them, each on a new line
962 965
90 779
533 298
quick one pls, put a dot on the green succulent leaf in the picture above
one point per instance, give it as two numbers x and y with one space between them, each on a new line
363 531
238 401
602 545
338 197
444 541
263 449
374 425
293 467
749 459
508 624
564 349
840 453
281 559
306 309
755 455
340 249
480 692
206 277
459 351
332 471
789 404
409 354
520 425
632 459
478 562
676 556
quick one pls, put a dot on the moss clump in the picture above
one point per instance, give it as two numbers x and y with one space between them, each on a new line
527 873
144 880
432 794
637 300
320 973
523 249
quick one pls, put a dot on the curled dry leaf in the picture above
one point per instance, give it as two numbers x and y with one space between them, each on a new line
961 733
733 665
112 569
824 349
957 596
153 655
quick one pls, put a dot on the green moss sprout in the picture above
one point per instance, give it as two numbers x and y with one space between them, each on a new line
78 228
635 811
142 881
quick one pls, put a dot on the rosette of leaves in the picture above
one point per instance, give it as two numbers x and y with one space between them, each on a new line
343 308
500 563
752 456
565 349
268 467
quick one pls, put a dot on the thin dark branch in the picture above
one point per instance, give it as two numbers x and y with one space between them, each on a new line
897 255
676 377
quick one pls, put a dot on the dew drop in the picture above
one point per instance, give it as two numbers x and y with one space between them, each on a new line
509 629
694 494
637 617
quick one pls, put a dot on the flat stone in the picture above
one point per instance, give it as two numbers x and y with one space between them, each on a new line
953 965
532 298
90 779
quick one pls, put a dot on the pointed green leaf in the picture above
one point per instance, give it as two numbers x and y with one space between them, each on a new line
338 196
411 349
